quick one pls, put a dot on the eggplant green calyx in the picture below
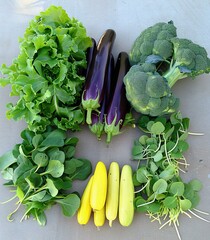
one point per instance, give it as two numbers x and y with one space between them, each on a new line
112 129
97 129
89 105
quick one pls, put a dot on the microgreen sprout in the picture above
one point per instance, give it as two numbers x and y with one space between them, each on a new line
160 158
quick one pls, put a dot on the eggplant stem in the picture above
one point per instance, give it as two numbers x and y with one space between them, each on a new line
109 137
88 117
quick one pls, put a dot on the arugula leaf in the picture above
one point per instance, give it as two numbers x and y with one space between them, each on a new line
6 160
56 154
51 186
42 179
69 204
7 174
23 170
38 197
40 217
55 168
53 139
78 169
36 140
41 159
62 184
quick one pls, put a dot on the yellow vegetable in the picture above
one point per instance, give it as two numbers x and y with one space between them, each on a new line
99 187
112 201
126 206
84 211
99 217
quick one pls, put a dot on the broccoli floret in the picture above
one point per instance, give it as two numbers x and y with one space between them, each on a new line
146 67
148 92
153 41
159 60
189 60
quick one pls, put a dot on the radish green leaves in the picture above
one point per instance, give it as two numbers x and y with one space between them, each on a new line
160 154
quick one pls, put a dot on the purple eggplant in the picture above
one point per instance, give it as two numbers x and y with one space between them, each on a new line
95 81
119 105
97 126
91 52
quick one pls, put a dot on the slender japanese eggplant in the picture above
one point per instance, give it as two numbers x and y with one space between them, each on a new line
119 105
98 119
91 52
95 81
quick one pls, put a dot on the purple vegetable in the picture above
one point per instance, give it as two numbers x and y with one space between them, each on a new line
119 105
97 126
91 52
95 82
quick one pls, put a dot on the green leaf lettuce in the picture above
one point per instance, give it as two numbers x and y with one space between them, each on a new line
48 73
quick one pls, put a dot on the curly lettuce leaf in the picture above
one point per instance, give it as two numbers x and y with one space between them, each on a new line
48 74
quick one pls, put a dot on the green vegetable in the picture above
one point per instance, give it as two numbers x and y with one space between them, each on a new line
148 92
160 155
159 60
41 170
48 74
153 40
188 60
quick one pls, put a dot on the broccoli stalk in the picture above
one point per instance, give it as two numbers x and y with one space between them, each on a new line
188 60
174 74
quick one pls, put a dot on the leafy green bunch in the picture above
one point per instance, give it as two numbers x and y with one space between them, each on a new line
160 155
48 74
159 59
41 170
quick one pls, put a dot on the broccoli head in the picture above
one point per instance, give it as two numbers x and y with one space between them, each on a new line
153 40
148 92
188 60
159 59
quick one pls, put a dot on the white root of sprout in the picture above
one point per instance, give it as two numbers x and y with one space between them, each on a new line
192 133
164 224
187 214
181 170
153 218
177 231
201 218
176 223
183 163
199 211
